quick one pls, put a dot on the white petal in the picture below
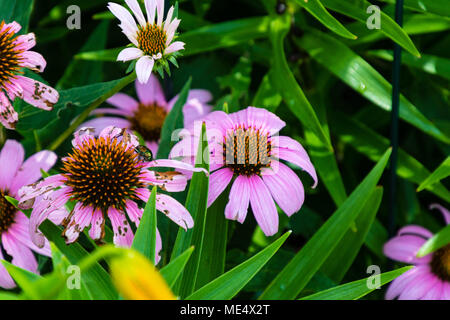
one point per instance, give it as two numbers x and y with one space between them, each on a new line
129 54
134 6
144 67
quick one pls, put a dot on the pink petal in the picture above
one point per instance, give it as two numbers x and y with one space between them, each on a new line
33 60
239 198
144 67
418 288
128 54
95 232
435 292
26 41
285 187
415 230
398 285
169 181
8 116
298 159
38 94
165 163
133 211
113 111
153 146
123 235
150 92
30 171
20 253
29 192
123 102
11 159
174 211
6 281
81 218
259 118
263 206
404 249
218 181
175 46
101 123
444 212
158 247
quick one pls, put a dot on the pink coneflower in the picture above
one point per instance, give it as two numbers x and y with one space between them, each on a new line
105 177
15 237
14 55
430 278
152 40
147 115
244 147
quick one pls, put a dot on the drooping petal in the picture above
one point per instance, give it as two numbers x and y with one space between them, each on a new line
151 92
285 187
398 285
133 211
128 54
144 67
6 281
263 206
25 42
415 230
123 102
418 288
11 159
443 210
174 210
404 248
33 60
30 192
175 46
20 253
170 181
8 116
239 198
435 291
123 235
218 181
30 171
81 218
38 94
298 159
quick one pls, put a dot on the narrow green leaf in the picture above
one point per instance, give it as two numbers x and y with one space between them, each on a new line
357 10
363 78
173 121
443 171
173 270
440 7
299 271
267 96
24 279
427 63
342 257
196 204
440 239
372 144
283 80
356 289
145 238
316 8
230 283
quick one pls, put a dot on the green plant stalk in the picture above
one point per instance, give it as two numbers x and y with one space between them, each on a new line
82 117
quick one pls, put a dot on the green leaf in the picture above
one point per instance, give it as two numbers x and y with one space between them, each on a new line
427 63
173 121
145 238
356 289
96 278
357 10
443 171
24 279
283 80
196 204
173 270
267 96
316 8
372 145
437 241
299 271
440 7
363 78
230 283
340 260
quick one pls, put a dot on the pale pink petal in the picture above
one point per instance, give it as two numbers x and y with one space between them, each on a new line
11 159
173 164
435 291
258 118
26 41
443 210
128 54
143 194
418 288
123 235
171 29
6 281
158 247
81 218
174 210
263 206
150 8
298 159
404 249
398 285
239 199
20 253
32 60
123 102
133 211
12 27
38 94
150 92
82 135
30 171
128 24
169 181
175 46
8 116
285 187
103 122
218 181
153 146
134 6
160 10
112 111
445 291
168 18
95 232
144 67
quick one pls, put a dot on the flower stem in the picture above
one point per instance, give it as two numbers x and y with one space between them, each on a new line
82 117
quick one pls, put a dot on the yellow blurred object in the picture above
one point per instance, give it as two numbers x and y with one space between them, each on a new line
137 279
